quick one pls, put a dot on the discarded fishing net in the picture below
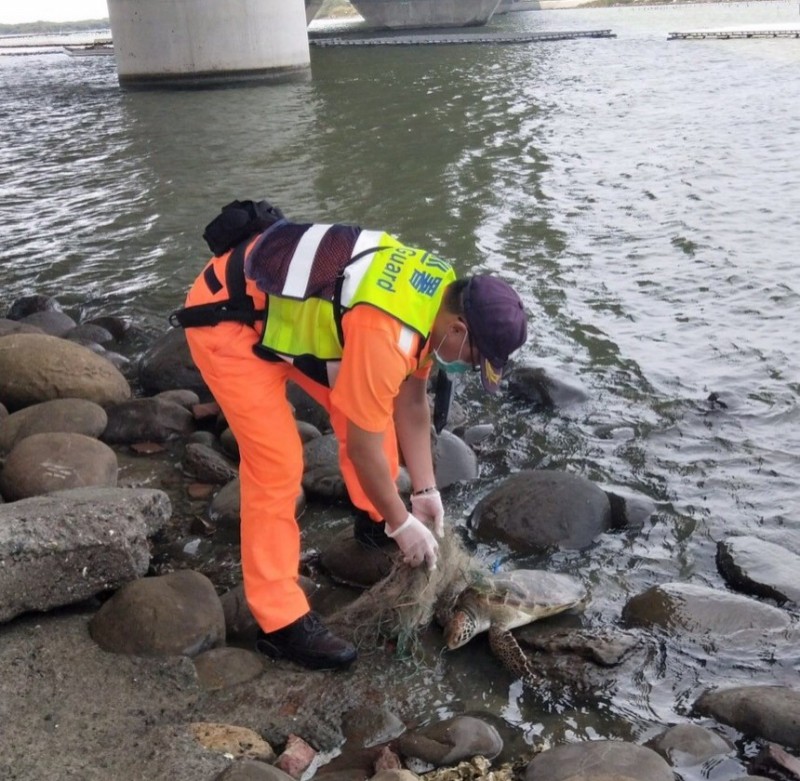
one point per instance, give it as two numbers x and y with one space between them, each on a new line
401 605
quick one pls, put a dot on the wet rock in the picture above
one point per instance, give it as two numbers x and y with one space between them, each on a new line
146 420
186 398
296 757
229 444
42 463
220 668
27 305
247 770
537 510
13 327
761 568
208 465
606 648
773 758
543 388
306 409
51 322
307 431
168 365
68 546
598 760
454 460
475 435
225 509
239 622
689 744
117 326
89 332
450 741
701 610
78 416
178 613
322 476
37 367
349 562
367 727
629 511
768 712
238 742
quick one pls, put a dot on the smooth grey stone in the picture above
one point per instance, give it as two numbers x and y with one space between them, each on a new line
178 613
684 745
761 568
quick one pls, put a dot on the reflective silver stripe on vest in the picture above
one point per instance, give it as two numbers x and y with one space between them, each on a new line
302 262
354 273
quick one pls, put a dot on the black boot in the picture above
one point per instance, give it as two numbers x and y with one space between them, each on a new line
369 533
309 642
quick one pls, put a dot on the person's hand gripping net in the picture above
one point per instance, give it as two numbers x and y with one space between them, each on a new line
427 506
416 542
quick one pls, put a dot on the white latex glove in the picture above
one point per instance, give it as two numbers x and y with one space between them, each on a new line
429 509
416 542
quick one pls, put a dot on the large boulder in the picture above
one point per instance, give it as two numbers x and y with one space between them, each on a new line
598 760
37 367
78 416
168 365
68 546
453 460
767 712
538 510
147 420
178 613
43 463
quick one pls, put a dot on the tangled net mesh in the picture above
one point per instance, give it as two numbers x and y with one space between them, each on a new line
405 602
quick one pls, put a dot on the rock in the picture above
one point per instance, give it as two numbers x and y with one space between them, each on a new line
321 474
51 322
220 668
296 757
239 622
475 435
536 511
306 408
68 546
347 561
306 431
367 727
454 460
598 760
43 463
178 613
761 568
147 420
606 648
238 742
37 367
13 327
88 332
186 398
116 326
543 388
629 511
168 365
208 465
768 712
689 744
78 416
394 775
448 742
701 610
247 770
27 305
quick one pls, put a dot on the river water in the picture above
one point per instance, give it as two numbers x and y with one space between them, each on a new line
642 194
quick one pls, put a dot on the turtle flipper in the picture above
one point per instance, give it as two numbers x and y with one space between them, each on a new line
506 648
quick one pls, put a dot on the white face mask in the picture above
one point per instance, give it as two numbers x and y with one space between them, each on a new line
452 367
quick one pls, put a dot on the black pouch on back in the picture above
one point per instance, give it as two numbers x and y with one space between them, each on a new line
238 221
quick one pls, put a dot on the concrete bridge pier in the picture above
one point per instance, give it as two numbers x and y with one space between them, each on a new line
188 43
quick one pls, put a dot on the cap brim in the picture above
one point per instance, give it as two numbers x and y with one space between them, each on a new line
491 375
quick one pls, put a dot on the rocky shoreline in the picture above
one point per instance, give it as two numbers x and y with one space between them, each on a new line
126 648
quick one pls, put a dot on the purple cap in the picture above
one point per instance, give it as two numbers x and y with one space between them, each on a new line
497 325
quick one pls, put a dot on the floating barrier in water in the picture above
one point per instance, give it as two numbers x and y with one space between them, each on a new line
731 34
427 39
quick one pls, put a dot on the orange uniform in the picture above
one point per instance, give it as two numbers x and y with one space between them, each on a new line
378 356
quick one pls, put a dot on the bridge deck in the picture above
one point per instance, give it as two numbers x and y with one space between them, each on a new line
425 39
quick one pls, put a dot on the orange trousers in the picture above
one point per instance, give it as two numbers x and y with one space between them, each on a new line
252 395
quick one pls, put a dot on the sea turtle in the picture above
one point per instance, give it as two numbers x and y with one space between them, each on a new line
499 603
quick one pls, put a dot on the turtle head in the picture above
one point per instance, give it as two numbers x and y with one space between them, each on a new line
460 629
